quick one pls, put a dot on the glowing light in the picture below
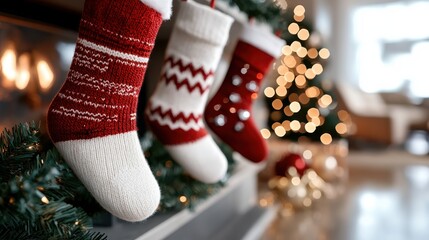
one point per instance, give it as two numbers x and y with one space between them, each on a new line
301 68
277 104
298 18
8 64
307 154
296 181
343 115
312 175
326 138
276 124
295 125
282 70
313 112
290 61
303 99
317 68
289 76
325 100
281 4
281 91
45 200
263 202
310 127
312 92
280 131
316 121
183 199
45 74
23 74
293 28
295 107
22 80
300 81
299 10
331 163
322 120
287 111
286 125
324 53
310 74
301 52
303 34
283 182
295 46
341 128
281 81
286 50
312 53
269 92
307 202
265 133
317 194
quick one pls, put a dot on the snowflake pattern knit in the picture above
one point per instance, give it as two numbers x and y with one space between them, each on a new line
92 120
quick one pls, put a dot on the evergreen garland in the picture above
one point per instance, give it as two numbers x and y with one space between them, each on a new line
39 195
265 11
41 198
179 190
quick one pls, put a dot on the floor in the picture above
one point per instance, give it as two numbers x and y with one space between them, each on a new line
387 197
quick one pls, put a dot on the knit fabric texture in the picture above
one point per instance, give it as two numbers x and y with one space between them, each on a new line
175 110
92 119
229 113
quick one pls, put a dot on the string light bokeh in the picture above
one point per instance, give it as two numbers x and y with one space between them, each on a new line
298 103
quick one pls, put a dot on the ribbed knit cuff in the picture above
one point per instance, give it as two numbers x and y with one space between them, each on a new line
266 41
128 26
204 22
161 6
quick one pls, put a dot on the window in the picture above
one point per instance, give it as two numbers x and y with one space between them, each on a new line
392 47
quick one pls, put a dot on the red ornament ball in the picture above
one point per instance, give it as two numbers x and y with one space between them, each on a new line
291 160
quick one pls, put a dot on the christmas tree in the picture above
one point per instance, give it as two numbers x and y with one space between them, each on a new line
301 102
302 108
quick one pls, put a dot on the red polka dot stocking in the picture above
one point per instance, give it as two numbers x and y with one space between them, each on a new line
229 113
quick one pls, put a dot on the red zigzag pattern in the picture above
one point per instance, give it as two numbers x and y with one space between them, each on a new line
185 82
174 118
188 67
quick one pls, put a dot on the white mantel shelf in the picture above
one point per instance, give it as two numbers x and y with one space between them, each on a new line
212 217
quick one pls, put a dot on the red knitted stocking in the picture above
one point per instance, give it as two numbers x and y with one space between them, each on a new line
229 113
92 120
